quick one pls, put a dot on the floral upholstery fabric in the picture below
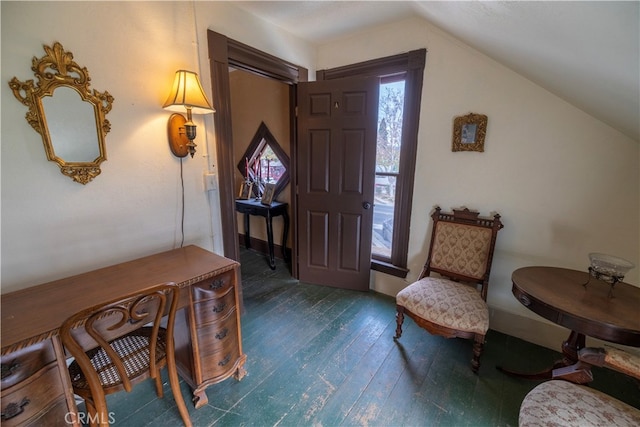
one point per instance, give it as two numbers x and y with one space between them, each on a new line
446 303
560 403
622 361
462 249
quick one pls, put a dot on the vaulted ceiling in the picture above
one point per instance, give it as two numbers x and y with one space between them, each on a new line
586 52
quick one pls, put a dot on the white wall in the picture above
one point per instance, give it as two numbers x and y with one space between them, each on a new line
565 183
53 227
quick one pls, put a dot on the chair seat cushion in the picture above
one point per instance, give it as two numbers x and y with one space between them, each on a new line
446 303
561 403
622 361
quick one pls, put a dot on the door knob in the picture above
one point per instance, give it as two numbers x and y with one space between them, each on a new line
366 205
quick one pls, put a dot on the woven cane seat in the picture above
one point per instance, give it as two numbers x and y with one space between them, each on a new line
133 349
120 343
447 303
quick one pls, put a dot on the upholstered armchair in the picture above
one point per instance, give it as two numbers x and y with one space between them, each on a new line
453 303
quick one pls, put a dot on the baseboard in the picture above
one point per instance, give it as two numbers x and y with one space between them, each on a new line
261 246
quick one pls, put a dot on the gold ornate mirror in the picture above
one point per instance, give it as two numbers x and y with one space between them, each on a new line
70 117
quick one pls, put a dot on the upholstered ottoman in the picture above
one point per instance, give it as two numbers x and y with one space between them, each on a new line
561 403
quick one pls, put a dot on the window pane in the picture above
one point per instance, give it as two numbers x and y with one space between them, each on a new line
383 211
390 112
389 143
272 167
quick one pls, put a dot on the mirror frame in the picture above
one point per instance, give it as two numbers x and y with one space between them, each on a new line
262 138
58 69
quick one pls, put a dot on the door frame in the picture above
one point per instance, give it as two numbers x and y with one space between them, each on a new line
224 53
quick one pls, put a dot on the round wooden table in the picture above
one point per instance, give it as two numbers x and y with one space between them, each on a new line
581 303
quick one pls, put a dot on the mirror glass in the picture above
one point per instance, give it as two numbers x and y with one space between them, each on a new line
68 115
71 124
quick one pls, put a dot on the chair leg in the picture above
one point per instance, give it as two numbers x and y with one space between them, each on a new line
177 393
158 381
399 321
91 412
478 347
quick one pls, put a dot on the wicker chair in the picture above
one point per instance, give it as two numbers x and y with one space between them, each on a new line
121 343
453 304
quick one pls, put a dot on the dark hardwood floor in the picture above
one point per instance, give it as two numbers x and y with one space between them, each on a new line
319 356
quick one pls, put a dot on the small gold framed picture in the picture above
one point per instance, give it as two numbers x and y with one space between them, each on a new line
267 196
469 132
245 190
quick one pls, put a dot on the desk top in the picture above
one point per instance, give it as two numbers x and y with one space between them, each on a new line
558 294
33 314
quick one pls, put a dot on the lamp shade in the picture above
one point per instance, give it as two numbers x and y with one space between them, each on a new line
187 93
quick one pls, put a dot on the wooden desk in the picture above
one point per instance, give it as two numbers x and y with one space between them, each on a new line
254 207
559 295
31 318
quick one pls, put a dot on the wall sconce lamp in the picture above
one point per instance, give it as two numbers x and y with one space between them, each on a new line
187 93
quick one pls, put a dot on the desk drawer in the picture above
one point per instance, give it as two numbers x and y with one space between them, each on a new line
215 309
23 403
217 363
214 287
23 363
217 336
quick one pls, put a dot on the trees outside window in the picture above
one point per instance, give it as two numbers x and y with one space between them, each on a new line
389 144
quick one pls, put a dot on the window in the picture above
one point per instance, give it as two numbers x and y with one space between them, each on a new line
265 162
389 144
394 193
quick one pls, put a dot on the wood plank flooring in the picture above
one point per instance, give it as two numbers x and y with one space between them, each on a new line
319 356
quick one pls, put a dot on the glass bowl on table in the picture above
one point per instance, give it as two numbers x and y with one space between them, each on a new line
608 268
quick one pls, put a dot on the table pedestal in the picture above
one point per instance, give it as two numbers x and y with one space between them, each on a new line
569 366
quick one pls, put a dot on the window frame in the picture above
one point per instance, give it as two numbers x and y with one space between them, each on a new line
412 65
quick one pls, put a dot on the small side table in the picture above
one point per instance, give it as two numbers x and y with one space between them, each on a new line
254 207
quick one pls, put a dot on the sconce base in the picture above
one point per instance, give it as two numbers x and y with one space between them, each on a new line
178 141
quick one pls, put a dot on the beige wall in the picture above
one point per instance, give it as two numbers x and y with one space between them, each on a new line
254 100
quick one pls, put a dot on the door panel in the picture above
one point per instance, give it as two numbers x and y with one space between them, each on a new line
337 125
318 234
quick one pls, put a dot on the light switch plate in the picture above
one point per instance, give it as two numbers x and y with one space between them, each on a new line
210 181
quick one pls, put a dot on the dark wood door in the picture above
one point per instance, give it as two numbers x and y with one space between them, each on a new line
337 126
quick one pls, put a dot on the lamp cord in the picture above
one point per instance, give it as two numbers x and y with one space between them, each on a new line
182 219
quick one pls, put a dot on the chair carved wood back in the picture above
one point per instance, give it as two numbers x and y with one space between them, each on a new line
462 246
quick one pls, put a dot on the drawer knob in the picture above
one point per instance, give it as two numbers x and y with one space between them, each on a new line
9 369
14 409
223 333
216 284
219 308
524 300
225 360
